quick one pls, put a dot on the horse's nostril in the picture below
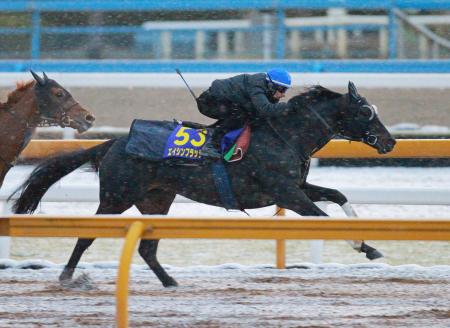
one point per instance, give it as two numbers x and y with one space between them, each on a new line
90 118
391 143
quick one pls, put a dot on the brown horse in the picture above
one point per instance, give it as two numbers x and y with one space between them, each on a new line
39 102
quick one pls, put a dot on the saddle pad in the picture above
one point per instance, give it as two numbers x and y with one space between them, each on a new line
165 140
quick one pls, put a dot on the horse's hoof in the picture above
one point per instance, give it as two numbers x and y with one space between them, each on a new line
170 283
371 253
66 274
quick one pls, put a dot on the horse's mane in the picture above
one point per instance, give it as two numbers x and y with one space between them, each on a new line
315 94
17 94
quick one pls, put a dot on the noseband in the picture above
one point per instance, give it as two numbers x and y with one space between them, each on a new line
368 138
63 121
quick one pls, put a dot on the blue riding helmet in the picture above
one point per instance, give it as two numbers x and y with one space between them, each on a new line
280 77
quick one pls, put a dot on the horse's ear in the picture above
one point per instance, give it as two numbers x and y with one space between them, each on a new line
45 77
353 93
38 78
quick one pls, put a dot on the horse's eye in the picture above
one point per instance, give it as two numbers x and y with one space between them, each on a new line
367 112
59 93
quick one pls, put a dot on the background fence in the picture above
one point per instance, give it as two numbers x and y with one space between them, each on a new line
220 30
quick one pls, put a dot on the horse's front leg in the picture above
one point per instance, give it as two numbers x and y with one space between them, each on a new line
288 194
317 194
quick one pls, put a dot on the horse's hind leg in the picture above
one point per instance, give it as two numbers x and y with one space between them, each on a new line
155 202
317 194
84 243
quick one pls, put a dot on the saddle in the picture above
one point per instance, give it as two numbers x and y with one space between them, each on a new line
181 142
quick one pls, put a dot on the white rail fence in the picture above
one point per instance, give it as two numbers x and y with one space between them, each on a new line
382 196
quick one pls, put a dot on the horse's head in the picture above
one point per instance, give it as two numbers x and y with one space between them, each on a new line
57 106
360 122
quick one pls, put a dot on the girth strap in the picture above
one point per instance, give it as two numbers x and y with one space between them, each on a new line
223 186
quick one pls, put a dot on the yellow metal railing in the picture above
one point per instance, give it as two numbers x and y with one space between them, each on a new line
104 226
123 277
150 227
405 148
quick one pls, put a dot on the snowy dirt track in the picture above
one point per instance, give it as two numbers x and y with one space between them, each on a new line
232 295
390 293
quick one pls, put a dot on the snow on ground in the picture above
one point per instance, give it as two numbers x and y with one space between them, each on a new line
409 287
233 295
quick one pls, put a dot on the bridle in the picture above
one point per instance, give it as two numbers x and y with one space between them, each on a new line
368 138
44 121
301 155
64 120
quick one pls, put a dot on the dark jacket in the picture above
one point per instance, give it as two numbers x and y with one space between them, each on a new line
241 95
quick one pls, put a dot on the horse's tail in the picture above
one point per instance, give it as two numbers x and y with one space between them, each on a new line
53 169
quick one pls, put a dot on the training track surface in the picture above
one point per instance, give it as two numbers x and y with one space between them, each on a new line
364 295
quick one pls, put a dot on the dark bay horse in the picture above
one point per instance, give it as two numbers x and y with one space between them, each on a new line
42 102
273 171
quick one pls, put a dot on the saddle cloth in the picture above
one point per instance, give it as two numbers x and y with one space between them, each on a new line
166 140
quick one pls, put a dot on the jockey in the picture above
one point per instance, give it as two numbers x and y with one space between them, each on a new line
236 100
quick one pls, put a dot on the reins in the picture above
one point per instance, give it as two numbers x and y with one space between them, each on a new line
301 154
291 148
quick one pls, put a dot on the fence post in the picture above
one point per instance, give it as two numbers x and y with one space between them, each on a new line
393 34
339 15
295 43
222 44
316 245
281 245
267 35
166 44
5 242
36 34
200 38
383 41
133 234
281 34
423 47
